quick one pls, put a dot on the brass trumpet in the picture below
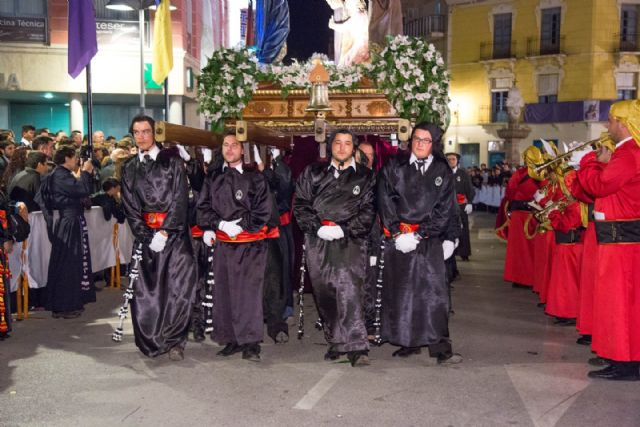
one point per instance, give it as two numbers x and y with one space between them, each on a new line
542 216
604 141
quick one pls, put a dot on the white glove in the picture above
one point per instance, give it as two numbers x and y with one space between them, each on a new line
183 153
275 152
256 154
576 156
456 243
538 195
208 237
407 242
231 228
468 208
207 155
330 232
447 248
158 242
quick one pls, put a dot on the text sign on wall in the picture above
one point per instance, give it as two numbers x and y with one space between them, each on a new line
121 33
16 29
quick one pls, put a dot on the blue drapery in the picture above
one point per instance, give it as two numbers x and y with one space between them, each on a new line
272 28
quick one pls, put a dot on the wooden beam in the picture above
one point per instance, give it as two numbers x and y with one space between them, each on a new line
178 134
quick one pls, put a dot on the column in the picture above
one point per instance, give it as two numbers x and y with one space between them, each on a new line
76 113
175 110
4 114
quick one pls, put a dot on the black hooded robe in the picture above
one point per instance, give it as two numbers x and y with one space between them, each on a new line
164 291
337 268
415 299
239 265
69 277
464 189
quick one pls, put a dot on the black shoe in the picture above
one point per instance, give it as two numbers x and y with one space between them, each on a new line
406 351
465 258
176 354
71 314
599 361
563 321
251 352
281 338
584 340
359 358
229 349
332 355
4 336
541 305
452 359
198 334
515 285
616 373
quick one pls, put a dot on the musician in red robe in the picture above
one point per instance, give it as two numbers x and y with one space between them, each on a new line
613 182
518 265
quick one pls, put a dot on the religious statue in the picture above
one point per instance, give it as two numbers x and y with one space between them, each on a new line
385 19
515 103
351 22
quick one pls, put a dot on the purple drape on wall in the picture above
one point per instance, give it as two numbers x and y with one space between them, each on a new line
563 112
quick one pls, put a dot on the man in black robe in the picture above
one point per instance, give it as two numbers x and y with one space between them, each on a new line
69 278
416 201
278 289
236 203
25 184
155 197
334 208
465 193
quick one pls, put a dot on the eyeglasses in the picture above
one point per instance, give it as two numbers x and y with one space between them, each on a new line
144 132
422 140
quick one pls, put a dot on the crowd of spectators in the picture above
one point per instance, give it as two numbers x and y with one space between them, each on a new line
490 184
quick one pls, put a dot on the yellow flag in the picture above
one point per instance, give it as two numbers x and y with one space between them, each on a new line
162 43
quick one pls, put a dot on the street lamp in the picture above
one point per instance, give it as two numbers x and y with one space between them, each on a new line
140 6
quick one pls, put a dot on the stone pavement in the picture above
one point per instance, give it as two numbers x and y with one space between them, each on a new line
519 370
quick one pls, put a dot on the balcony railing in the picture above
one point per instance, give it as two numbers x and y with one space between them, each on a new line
627 42
545 46
425 26
490 51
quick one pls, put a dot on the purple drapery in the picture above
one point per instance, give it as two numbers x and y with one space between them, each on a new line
563 112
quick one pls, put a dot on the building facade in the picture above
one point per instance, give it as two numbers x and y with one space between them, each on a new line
570 59
36 89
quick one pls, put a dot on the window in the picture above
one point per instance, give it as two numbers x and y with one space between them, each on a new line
628 28
189 10
547 88
23 8
550 31
626 84
499 106
501 35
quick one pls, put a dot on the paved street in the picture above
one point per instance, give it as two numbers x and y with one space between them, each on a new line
519 370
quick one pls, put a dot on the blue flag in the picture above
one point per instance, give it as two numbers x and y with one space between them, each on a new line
83 44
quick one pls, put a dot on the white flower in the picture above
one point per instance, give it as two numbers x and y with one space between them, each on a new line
434 70
439 61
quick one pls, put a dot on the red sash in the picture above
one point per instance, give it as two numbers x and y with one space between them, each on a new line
404 228
154 219
285 218
244 237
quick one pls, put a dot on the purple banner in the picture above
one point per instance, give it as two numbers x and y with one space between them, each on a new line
563 112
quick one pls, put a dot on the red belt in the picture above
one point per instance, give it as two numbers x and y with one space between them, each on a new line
461 198
273 233
244 237
285 218
3 219
328 223
404 228
196 232
154 219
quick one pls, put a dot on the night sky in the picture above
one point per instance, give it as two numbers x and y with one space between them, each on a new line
309 31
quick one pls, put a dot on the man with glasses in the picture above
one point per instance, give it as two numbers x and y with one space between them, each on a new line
417 205
155 198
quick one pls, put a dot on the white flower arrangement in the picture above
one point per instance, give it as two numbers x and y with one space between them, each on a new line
226 84
410 72
413 76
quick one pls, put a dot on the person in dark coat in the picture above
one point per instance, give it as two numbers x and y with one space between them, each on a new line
155 196
109 200
233 210
69 279
416 204
465 192
334 207
6 246
25 184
